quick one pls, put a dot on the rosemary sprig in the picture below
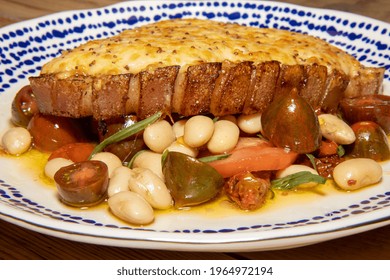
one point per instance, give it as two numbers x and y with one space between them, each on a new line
213 158
126 132
291 181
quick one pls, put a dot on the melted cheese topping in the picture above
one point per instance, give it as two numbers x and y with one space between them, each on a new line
186 42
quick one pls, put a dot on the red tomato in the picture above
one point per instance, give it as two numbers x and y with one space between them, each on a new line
50 132
254 157
327 148
24 107
76 152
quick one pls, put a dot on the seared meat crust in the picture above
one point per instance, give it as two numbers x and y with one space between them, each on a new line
227 69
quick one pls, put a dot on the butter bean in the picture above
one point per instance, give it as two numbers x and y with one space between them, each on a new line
335 129
16 140
150 160
250 123
178 128
131 207
150 187
295 168
119 180
357 173
198 131
225 137
53 165
158 136
181 147
111 160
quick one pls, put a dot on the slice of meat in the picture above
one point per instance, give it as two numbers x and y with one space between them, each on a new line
231 88
367 81
110 95
70 97
264 80
336 84
314 84
290 77
199 83
156 90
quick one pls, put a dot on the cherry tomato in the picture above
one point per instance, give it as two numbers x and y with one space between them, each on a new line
327 148
190 182
51 132
126 148
249 192
82 183
24 107
371 142
375 108
76 152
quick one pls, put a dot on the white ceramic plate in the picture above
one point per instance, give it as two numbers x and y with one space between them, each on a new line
290 221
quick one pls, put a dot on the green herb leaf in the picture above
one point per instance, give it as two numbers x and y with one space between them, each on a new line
126 132
312 160
164 157
291 181
213 158
340 151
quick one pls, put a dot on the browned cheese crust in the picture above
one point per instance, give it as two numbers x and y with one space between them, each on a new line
191 66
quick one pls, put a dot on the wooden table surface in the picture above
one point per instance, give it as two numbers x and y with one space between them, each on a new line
19 243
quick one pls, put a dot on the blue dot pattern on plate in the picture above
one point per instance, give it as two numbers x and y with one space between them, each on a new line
24 50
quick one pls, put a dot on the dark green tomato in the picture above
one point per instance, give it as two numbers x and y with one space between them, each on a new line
126 148
83 183
371 142
290 122
24 107
190 181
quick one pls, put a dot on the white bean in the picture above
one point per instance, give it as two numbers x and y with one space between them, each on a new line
158 136
131 207
181 147
53 165
295 168
111 160
150 160
335 129
119 180
225 137
357 173
16 140
250 123
178 128
151 187
198 131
